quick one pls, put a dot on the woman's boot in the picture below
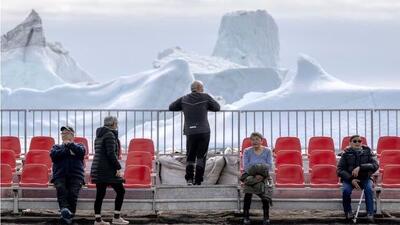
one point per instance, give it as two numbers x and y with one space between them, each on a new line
246 217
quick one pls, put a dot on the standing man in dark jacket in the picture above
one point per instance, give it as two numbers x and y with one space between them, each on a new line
106 170
355 168
195 107
68 172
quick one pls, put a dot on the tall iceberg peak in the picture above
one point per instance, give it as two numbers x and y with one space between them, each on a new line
249 38
28 33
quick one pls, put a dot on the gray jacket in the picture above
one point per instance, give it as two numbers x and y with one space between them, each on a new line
195 107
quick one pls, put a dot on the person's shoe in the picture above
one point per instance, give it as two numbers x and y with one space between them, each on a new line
265 222
189 182
66 213
197 183
102 222
349 216
246 217
119 221
370 218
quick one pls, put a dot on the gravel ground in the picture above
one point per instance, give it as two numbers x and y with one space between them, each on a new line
304 217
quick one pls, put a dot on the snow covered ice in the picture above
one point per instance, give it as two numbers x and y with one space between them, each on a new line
248 38
29 61
33 67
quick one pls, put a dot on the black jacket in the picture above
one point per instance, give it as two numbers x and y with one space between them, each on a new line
105 162
195 107
353 158
65 164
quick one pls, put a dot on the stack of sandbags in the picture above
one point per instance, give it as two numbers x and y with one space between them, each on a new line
172 169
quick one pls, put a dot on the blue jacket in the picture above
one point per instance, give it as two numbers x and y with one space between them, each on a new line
65 164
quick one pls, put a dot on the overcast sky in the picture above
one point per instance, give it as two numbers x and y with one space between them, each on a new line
354 40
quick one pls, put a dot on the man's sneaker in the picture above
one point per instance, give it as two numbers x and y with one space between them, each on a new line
119 221
266 222
349 215
370 218
189 182
246 221
102 222
65 213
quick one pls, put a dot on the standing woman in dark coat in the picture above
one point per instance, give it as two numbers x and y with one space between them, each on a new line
106 170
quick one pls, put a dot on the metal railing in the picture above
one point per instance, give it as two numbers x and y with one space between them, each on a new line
228 127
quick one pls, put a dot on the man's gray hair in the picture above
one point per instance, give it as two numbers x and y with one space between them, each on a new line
194 86
110 120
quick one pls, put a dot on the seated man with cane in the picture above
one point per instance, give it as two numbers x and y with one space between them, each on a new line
355 168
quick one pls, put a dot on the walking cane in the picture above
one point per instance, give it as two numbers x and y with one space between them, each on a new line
358 207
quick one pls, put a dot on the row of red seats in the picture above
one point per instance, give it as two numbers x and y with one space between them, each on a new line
324 176
36 175
139 176
325 143
47 142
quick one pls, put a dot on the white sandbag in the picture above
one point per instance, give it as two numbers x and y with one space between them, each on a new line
230 174
213 170
173 169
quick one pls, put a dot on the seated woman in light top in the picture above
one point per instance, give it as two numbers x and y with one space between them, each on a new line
257 162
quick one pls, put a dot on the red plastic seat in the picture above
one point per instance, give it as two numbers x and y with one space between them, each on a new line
34 175
391 176
318 157
12 143
387 143
288 157
38 157
320 143
6 175
290 176
324 176
41 142
246 143
389 157
137 176
8 157
85 143
141 144
346 142
139 158
287 143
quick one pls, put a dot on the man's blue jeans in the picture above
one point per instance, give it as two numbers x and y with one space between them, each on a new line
366 185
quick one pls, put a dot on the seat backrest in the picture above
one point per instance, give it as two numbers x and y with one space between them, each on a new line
288 157
12 143
388 143
389 157
318 143
139 158
346 142
246 143
6 175
8 157
287 143
324 174
141 144
137 175
290 175
34 175
84 142
391 176
322 157
41 142
38 157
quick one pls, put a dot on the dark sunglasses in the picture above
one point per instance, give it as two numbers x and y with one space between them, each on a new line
356 141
